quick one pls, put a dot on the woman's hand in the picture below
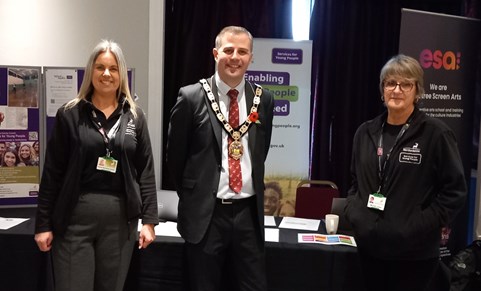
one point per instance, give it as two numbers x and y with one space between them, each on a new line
147 235
44 240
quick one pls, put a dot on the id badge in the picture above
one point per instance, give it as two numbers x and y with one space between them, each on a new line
376 201
107 164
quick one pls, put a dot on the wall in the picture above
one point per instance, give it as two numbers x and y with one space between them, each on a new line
63 33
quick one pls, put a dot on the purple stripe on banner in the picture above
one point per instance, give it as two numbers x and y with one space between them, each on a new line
268 78
33 119
80 77
18 201
3 86
282 107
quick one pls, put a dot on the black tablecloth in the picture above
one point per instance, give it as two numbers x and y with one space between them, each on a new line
290 266
22 266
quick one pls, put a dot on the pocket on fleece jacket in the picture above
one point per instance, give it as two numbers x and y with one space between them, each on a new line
360 217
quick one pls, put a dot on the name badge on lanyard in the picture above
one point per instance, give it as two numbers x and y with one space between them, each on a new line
107 163
376 201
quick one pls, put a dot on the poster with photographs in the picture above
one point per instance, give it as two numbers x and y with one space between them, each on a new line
19 135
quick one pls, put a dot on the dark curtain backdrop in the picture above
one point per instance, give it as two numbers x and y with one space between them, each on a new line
352 39
351 42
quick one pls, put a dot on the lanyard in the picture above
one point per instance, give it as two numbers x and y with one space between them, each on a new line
107 137
381 165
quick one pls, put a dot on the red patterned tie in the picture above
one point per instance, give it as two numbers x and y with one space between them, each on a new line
235 174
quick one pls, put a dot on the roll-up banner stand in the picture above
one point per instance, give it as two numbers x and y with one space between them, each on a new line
445 46
284 67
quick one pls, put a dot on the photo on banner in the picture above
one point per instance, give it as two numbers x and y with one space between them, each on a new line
284 68
445 46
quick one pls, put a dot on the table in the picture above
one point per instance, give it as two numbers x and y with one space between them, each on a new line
290 266
22 266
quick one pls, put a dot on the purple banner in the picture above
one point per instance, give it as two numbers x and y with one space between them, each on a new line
19 135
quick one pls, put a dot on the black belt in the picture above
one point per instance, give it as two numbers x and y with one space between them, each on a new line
235 201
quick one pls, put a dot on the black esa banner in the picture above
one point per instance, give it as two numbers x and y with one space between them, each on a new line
445 46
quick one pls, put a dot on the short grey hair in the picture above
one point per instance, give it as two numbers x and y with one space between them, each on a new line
406 67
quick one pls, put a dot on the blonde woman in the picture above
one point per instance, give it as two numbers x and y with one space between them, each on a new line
27 155
98 180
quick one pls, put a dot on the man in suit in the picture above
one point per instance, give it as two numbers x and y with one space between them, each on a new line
215 152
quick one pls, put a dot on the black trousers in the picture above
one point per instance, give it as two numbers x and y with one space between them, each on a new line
95 252
232 251
399 275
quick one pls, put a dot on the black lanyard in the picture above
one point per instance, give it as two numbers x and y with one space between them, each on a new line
108 137
381 165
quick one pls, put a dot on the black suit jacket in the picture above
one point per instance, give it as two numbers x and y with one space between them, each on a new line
194 156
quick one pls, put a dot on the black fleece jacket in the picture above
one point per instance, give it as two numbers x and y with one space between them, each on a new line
64 161
424 185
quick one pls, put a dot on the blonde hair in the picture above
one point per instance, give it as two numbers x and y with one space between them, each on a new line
87 88
31 151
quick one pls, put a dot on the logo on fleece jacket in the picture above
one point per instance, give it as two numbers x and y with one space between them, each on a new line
411 155
130 130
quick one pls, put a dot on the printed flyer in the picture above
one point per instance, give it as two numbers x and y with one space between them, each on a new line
333 239
19 135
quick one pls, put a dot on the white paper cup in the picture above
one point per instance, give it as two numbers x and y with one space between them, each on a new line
332 221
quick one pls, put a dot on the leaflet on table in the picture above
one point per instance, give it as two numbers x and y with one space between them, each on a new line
269 220
300 223
6 223
333 239
271 234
